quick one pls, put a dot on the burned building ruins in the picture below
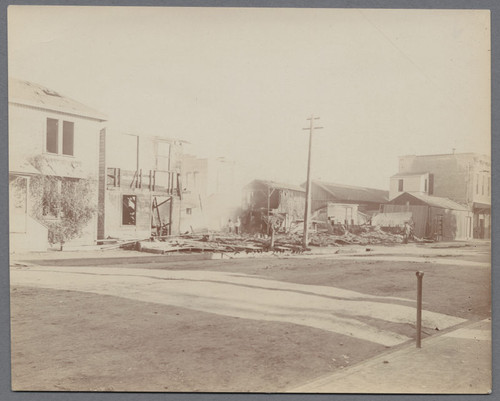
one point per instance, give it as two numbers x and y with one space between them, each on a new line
263 199
139 186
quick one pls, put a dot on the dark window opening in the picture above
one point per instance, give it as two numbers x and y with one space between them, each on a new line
425 185
189 210
68 137
400 186
129 204
431 184
52 135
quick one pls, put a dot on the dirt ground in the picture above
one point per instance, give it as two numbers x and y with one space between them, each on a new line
81 341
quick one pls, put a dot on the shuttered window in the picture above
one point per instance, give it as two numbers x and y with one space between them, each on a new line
60 141
52 135
68 137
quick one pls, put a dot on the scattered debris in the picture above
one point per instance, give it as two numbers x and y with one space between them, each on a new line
364 235
279 243
114 243
218 243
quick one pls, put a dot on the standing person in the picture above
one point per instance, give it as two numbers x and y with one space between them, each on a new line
406 233
230 226
237 225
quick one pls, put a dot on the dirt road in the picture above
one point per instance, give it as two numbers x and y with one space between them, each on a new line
229 325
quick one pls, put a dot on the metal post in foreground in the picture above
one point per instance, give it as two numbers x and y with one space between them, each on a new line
420 276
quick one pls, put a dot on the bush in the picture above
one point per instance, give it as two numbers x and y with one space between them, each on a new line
64 205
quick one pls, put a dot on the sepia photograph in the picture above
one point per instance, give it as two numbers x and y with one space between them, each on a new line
249 200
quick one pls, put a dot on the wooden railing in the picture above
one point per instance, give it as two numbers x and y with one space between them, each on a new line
162 181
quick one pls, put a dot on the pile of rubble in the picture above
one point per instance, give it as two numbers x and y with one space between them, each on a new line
216 243
366 235
283 242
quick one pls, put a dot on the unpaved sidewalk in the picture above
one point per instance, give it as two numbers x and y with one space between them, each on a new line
457 362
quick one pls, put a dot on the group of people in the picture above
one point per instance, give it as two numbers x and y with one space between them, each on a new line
234 225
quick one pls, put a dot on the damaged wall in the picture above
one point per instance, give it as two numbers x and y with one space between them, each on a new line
129 193
213 193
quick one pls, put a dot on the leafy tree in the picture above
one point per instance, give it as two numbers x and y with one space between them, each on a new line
64 205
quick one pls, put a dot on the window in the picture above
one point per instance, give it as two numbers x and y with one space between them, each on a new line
52 135
431 184
129 203
425 185
189 210
60 141
67 142
400 186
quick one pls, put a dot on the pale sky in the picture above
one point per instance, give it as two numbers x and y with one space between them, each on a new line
240 83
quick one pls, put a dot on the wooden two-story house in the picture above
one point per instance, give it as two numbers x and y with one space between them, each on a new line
51 135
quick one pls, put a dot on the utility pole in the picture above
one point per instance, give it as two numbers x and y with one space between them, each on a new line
307 212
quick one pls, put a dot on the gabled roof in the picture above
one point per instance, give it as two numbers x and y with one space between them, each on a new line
275 185
353 194
435 201
35 95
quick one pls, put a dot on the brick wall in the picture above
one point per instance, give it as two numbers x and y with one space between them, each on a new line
456 176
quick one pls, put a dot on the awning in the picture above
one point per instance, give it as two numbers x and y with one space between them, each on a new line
479 207
22 168
61 168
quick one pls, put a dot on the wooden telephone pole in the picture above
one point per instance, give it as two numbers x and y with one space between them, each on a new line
307 212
